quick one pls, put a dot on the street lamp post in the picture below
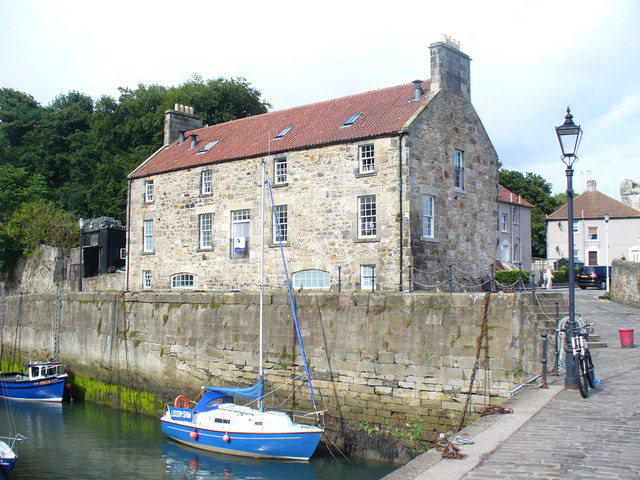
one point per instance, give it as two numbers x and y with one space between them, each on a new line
81 257
569 135
606 247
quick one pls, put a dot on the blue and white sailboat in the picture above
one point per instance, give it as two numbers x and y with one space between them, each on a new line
216 423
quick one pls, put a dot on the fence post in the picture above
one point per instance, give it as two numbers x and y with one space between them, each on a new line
544 384
339 279
555 348
493 277
450 278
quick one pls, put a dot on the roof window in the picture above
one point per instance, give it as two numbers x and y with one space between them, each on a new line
352 119
284 131
208 146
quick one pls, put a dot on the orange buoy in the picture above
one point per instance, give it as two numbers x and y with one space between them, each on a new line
194 435
181 401
226 437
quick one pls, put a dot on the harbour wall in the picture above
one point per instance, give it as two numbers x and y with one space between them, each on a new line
375 358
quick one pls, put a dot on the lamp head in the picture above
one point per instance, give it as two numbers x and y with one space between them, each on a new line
569 135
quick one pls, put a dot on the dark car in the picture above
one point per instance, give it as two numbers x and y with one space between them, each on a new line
593 276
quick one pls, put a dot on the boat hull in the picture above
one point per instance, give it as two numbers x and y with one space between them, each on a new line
7 460
285 445
44 390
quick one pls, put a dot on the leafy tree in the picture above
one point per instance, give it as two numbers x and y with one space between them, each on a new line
19 114
17 186
537 190
40 222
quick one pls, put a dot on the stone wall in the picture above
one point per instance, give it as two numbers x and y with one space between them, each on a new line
625 282
373 358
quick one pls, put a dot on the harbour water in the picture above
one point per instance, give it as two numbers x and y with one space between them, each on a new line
84 441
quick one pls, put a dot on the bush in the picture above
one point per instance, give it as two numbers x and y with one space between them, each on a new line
509 277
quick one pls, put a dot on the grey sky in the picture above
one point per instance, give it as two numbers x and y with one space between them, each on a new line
530 60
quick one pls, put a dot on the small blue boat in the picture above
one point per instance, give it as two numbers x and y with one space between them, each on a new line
44 381
7 455
217 424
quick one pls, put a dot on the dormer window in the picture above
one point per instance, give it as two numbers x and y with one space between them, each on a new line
352 119
208 146
283 132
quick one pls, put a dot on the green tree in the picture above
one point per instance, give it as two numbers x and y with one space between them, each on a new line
18 186
40 222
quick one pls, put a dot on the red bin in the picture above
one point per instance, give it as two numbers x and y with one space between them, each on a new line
626 337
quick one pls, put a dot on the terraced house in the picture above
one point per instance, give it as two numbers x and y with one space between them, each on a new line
379 190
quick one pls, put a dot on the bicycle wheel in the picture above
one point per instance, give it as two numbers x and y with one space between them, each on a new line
581 375
591 374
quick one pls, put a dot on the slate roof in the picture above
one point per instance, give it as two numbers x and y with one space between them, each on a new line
384 112
593 204
507 196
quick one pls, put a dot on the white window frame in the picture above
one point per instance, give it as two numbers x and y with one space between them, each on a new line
147 277
366 159
576 226
516 253
316 279
280 171
504 221
515 213
240 221
282 215
205 228
147 236
367 217
428 216
505 252
184 280
368 278
206 182
592 232
148 191
458 167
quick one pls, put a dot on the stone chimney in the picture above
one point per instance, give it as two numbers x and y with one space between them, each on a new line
630 193
181 118
591 185
450 68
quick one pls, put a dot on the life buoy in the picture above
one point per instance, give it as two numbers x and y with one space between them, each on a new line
181 401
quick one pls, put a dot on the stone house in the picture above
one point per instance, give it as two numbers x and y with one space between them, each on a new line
592 232
380 190
514 229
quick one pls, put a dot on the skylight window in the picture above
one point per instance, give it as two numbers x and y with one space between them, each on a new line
352 119
208 146
284 131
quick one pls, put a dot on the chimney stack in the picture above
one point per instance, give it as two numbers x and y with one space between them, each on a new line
194 141
591 185
450 68
180 119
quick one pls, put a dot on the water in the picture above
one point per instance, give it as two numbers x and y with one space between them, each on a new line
84 441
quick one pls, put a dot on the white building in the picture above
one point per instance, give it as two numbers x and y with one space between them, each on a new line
592 232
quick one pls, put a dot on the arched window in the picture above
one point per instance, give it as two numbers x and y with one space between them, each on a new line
311 279
184 280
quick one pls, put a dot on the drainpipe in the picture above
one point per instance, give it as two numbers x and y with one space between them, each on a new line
126 283
400 189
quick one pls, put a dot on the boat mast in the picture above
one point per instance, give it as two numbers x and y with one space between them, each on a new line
260 373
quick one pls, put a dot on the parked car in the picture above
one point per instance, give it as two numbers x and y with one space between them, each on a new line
593 276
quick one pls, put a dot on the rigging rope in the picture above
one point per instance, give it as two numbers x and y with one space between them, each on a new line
290 290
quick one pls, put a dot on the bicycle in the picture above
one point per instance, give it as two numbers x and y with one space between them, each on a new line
583 364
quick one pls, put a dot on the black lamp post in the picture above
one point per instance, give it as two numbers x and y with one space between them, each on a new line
569 135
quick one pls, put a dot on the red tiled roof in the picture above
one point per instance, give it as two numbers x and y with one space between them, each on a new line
594 204
384 112
507 196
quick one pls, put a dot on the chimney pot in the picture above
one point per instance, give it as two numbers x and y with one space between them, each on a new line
417 90
194 141
181 137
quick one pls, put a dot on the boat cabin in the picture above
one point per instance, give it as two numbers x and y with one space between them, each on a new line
44 369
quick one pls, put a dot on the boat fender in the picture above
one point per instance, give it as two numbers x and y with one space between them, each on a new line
181 401
226 438
193 435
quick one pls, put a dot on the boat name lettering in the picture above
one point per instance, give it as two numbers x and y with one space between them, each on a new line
177 413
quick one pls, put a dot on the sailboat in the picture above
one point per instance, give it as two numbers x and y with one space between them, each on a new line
8 456
218 424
